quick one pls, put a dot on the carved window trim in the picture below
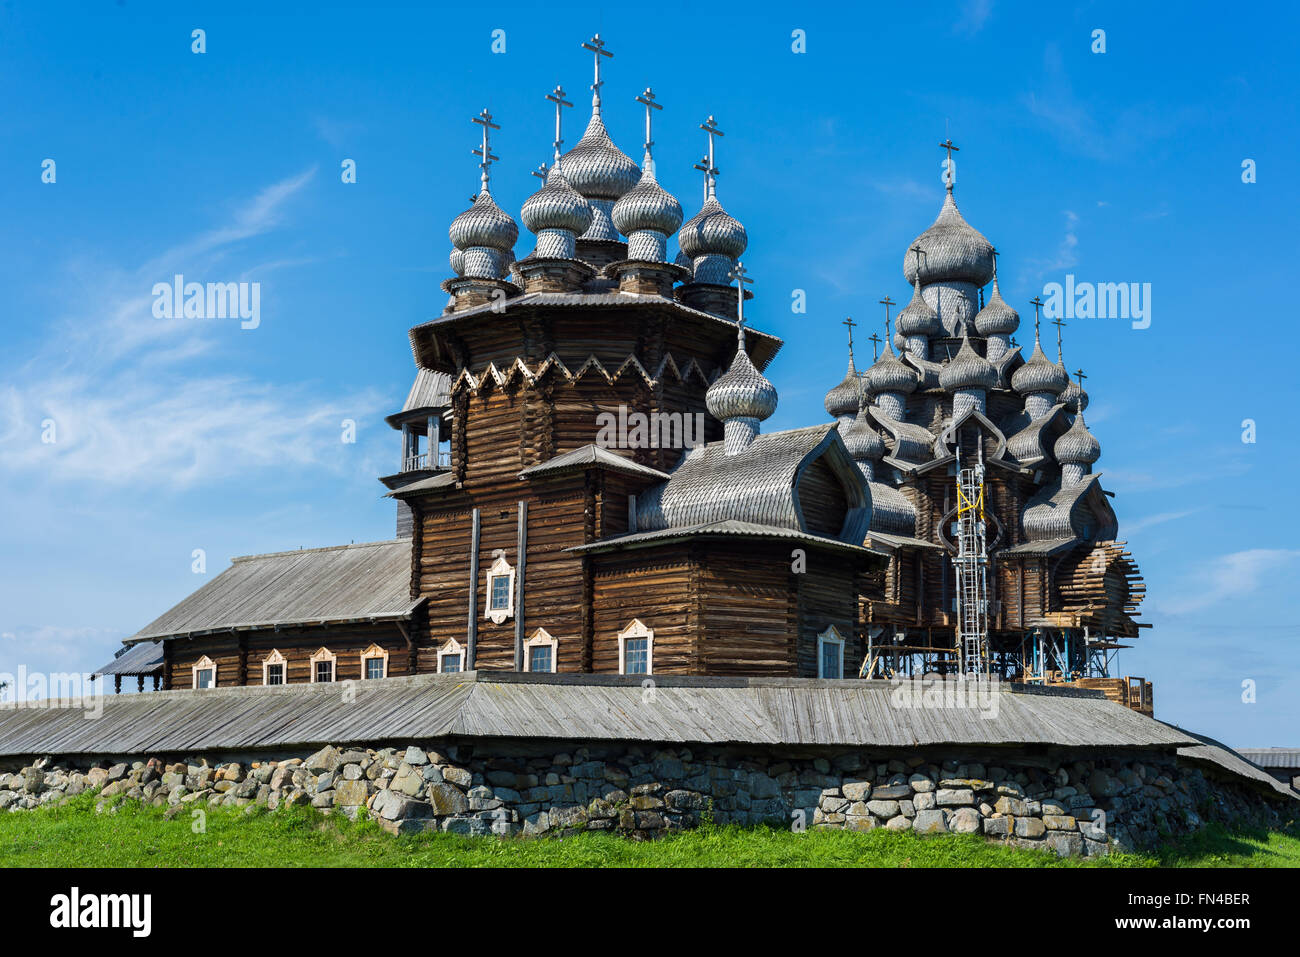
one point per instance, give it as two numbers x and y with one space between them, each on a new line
324 654
203 664
371 653
272 660
501 568
830 636
541 637
451 647
636 629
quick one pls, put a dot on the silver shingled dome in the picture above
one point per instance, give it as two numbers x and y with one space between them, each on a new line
557 205
647 206
890 374
484 224
843 399
1077 446
1039 374
967 370
863 441
996 318
951 250
918 317
742 392
597 168
713 231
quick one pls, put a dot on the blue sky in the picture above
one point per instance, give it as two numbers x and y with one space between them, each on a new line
177 435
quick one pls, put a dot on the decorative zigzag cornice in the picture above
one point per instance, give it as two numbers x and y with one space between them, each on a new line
518 370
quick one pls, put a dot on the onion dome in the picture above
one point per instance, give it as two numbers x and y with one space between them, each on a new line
1039 374
648 206
714 240
996 318
890 374
1074 397
1077 446
597 168
918 317
863 441
557 205
484 224
842 401
951 250
457 260
742 392
967 370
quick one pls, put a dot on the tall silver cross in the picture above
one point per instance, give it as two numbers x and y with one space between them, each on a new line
484 152
710 126
556 96
848 321
1037 304
1060 324
738 274
597 46
704 167
875 341
540 172
887 302
949 175
648 99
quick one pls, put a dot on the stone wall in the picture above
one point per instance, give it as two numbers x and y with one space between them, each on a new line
1071 804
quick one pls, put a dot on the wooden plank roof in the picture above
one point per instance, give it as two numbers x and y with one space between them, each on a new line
369 581
145 658
742 711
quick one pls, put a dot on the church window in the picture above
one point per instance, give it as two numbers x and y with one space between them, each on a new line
636 649
323 666
374 663
205 673
273 668
830 654
500 589
451 657
539 652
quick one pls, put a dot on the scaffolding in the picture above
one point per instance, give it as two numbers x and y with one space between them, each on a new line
970 566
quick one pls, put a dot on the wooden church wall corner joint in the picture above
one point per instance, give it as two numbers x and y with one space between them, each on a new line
946 520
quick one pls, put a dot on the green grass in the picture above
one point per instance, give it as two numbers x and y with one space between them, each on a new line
73 835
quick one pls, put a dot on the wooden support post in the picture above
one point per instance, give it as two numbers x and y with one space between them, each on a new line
117 684
139 682
155 681
243 657
471 633
522 551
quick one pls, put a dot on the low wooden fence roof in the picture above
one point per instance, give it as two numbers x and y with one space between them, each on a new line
742 711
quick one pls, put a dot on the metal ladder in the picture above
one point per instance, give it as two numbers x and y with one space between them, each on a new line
971 569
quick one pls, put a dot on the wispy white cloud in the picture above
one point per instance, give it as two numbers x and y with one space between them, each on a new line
974 14
125 397
1067 252
1229 577
1160 518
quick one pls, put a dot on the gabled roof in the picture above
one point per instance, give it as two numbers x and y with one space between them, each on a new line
370 581
1057 512
758 485
441 480
588 457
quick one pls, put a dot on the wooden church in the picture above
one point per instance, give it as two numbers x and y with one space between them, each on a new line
585 486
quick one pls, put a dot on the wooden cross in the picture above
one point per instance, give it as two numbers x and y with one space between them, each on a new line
484 152
556 96
917 250
738 274
1078 374
1037 304
848 321
597 46
994 253
710 126
949 176
648 100
875 341
1060 324
887 302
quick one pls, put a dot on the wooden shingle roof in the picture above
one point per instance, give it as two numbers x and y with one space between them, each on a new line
361 582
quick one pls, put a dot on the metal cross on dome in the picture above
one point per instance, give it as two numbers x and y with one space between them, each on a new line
949 171
556 96
887 302
1060 324
848 321
1037 304
738 274
1078 374
704 167
484 152
648 99
597 46
875 341
540 172
710 126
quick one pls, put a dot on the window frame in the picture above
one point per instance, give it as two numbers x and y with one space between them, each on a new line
636 629
203 664
830 636
322 655
542 638
270 661
370 654
449 648
500 568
